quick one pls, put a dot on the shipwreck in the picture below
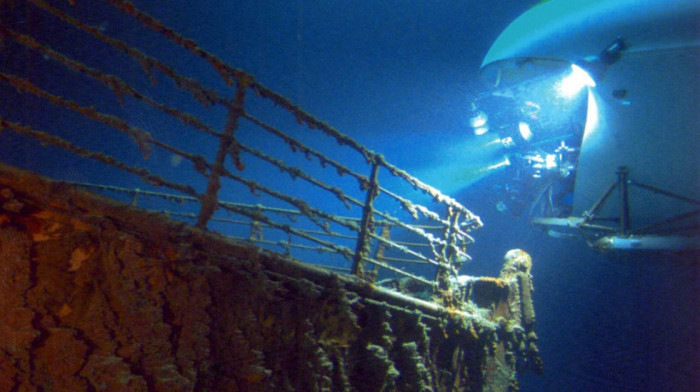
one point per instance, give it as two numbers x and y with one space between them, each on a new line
236 243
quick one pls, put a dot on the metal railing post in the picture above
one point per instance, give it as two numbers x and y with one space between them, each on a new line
227 145
444 272
367 223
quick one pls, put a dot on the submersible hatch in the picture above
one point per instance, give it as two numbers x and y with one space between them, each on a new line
171 232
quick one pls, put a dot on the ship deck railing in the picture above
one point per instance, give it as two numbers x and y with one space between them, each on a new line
124 105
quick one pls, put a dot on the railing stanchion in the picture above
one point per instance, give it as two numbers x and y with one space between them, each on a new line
366 224
227 145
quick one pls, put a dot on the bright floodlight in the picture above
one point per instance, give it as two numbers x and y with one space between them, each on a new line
525 131
575 82
478 119
481 130
550 161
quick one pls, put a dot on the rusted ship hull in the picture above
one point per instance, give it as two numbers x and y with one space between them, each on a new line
97 295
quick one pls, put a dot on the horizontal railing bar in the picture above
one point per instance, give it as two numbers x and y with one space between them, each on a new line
295 145
177 198
332 268
296 172
346 252
250 222
136 192
138 135
307 210
330 249
206 96
418 230
229 73
397 270
402 260
284 244
113 82
47 138
402 248
473 222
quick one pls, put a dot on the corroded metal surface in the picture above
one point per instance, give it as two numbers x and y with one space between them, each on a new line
99 295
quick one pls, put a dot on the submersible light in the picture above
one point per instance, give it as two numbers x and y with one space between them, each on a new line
585 72
481 130
478 121
575 81
525 131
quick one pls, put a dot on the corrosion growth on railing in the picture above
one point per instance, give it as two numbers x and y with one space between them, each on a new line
245 179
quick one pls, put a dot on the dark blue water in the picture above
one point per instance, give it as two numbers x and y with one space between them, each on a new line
396 76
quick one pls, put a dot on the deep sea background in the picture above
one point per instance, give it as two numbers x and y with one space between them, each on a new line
396 76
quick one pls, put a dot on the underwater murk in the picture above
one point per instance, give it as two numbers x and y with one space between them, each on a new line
240 196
